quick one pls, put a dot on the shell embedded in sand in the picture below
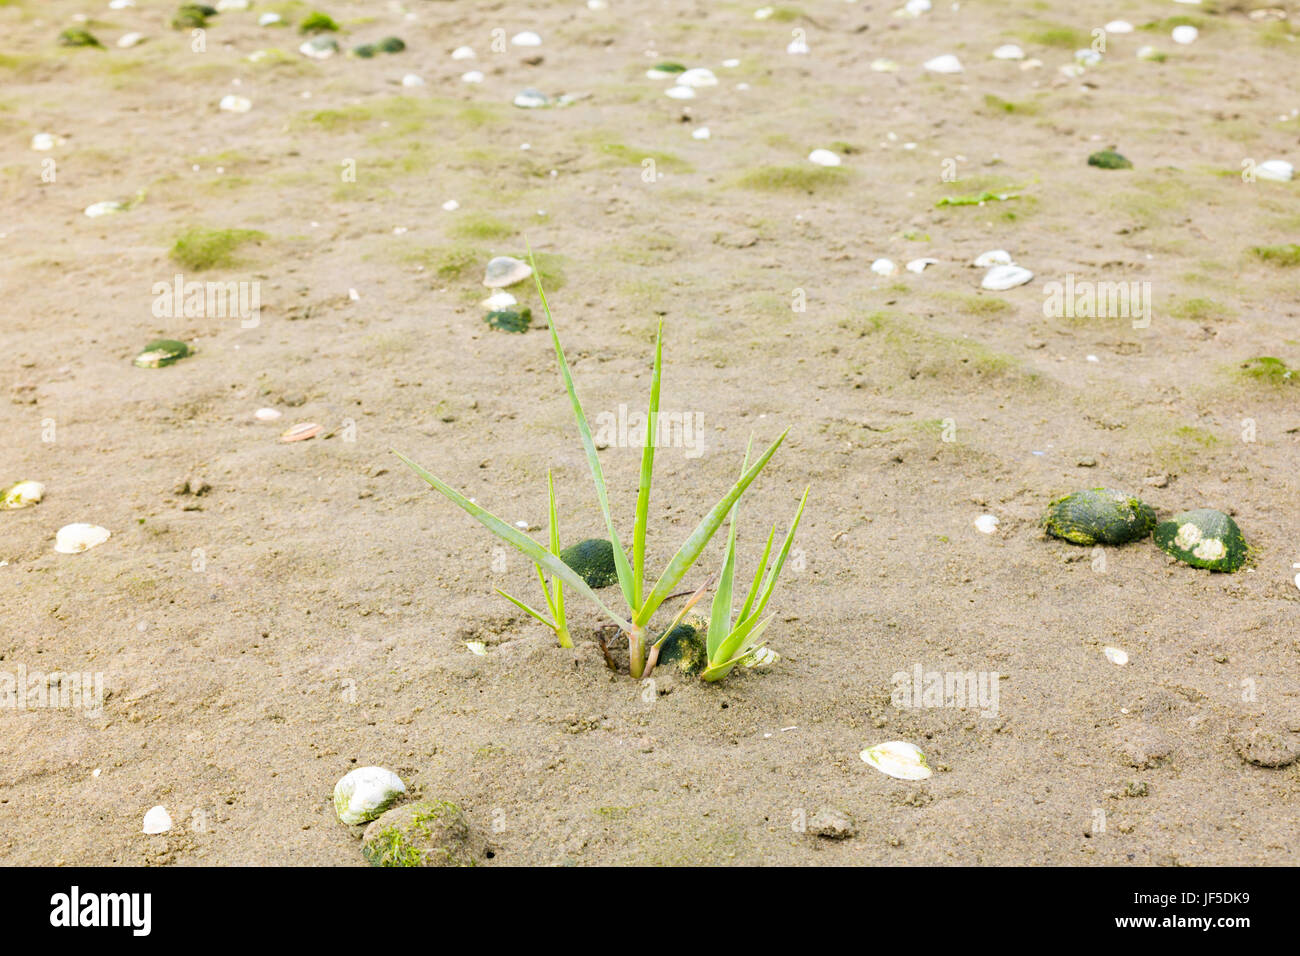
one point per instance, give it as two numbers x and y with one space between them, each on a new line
1115 656
462 53
157 820
22 494
1008 51
823 157
319 48
75 538
301 432
698 77
529 99
986 524
266 414
231 103
527 38
1118 26
680 92
898 759
884 267
128 40
1185 34
365 793
505 271
1001 278
1275 170
918 265
947 63
499 300
108 206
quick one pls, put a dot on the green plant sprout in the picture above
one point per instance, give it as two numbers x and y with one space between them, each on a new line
641 603
554 599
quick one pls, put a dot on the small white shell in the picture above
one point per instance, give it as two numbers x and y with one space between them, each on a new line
365 793
42 142
477 648
1275 170
680 92
75 538
884 66
1000 278
698 77
986 524
235 104
994 257
528 99
505 271
916 7
266 414
157 820
1185 34
701 133
269 19
918 265
884 267
1118 26
947 63
451 205
1008 51
898 759
1088 57
95 210
762 657
128 40
501 299
1148 53
797 47
412 79
823 157
476 76
462 53
1115 655
527 38
23 494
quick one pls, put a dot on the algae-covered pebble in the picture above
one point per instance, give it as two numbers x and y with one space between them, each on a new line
1099 516
391 45
661 71
76 36
593 559
317 22
22 494
510 320
365 793
161 352
898 759
1109 159
1204 538
684 647
365 51
427 833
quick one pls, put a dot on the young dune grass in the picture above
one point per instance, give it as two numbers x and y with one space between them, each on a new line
727 642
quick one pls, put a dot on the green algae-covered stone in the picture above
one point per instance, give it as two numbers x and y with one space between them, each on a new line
75 36
161 352
428 833
593 559
1109 159
510 320
1099 516
1204 538
365 51
392 44
686 648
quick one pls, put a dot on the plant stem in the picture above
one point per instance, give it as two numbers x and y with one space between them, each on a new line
636 651
563 634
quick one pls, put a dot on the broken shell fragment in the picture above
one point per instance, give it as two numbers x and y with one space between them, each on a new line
899 759
1000 278
301 432
505 271
22 494
157 820
108 206
365 793
75 538
161 352
128 40
462 53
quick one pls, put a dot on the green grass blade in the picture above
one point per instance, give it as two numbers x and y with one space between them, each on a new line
524 607
557 605
700 537
736 650
720 614
647 472
769 584
517 540
584 430
758 576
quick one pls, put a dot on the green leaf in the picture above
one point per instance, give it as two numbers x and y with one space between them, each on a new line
720 614
769 585
524 607
557 605
758 576
647 471
715 672
625 579
517 539
695 544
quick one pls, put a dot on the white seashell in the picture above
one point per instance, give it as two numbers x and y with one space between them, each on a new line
365 793
1072 69
269 19
157 820
797 47
944 64
451 205
319 48
1009 52
916 7
918 265
120 4
528 99
22 494
884 66
884 267
1118 26
898 759
75 538
462 53
412 79
701 133
501 299
762 13
986 524
476 76
762 657
266 414
823 157
128 40
1185 34
42 142
98 209
505 271
680 92
1088 57
477 648
698 77
597 5
1275 170
235 104
1000 278
994 257
731 64
527 38
1148 53
231 5
1115 655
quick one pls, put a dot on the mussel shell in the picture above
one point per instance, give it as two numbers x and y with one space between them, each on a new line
1099 516
1204 538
